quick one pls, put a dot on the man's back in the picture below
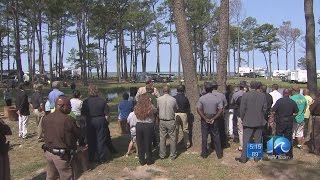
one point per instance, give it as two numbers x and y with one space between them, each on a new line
285 107
183 103
252 109
301 103
53 96
59 131
210 103
167 106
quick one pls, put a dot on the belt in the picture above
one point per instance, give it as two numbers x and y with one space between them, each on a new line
167 119
59 151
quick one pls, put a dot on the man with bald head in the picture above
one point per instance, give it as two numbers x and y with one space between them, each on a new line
284 111
167 107
60 136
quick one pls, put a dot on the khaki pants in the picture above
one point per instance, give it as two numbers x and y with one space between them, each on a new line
168 128
57 167
39 116
182 120
240 131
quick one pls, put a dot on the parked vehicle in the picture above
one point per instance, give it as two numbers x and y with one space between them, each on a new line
298 76
141 77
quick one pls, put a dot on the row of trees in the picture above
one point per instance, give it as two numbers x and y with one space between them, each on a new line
187 58
39 29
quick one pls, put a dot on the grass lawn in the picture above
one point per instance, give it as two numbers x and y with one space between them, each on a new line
27 160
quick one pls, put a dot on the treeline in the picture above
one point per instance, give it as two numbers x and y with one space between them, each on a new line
40 28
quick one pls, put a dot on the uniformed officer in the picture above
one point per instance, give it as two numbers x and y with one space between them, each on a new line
223 136
60 136
210 107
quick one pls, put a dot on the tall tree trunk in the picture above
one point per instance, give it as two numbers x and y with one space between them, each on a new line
29 50
223 44
124 56
229 55
50 38
39 38
270 62
158 49
278 65
118 57
294 55
8 41
17 39
234 61
170 49
266 61
238 46
253 60
287 61
188 66
310 47
131 54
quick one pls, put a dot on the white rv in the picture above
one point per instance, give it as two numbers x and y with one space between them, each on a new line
298 76
244 70
302 76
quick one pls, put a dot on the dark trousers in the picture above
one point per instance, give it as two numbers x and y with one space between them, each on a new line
96 136
156 135
109 140
8 102
212 129
284 128
222 131
145 133
250 133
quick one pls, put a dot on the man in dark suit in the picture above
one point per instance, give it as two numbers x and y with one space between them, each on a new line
23 111
252 110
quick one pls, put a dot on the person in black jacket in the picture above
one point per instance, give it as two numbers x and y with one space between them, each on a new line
23 111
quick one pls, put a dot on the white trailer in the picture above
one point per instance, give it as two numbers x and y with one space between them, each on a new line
244 70
298 76
292 76
302 76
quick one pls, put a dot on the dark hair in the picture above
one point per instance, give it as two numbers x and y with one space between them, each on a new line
76 94
275 86
125 96
143 108
255 85
263 89
181 88
208 89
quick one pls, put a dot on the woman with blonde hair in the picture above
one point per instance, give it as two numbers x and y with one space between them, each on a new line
145 113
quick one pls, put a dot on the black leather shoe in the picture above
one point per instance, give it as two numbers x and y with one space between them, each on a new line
204 156
142 163
241 160
220 156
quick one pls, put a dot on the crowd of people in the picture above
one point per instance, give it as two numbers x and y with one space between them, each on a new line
245 114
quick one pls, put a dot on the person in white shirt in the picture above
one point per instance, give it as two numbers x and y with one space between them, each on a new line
132 121
275 94
76 103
